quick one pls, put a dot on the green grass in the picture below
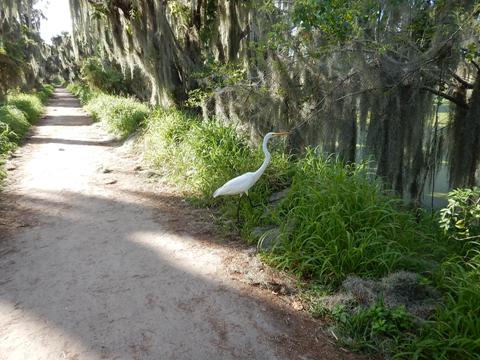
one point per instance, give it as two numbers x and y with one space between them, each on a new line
337 221
84 92
45 93
375 329
122 115
200 156
30 104
16 116
453 332
14 120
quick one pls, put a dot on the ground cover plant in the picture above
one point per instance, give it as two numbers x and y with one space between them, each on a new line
122 115
18 113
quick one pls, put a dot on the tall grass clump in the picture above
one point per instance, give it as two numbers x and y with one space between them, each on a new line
82 91
45 92
16 116
103 78
453 332
14 122
200 156
122 115
29 104
197 155
337 221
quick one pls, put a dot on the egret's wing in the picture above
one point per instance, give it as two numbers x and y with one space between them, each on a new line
237 185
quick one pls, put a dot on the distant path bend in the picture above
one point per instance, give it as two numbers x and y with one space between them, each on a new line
101 264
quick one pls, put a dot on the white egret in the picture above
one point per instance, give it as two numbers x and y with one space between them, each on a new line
241 184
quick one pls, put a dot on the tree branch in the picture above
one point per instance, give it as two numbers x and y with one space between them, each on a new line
461 81
476 65
446 96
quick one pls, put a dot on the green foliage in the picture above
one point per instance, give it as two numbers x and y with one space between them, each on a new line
102 77
6 135
29 104
461 218
336 19
122 115
374 329
213 76
200 156
337 221
83 91
453 332
45 92
14 122
16 116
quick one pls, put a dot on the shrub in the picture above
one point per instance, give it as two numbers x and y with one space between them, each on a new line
461 218
122 115
6 143
375 328
453 332
84 93
45 93
13 126
14 121
337 221
29 104
103 78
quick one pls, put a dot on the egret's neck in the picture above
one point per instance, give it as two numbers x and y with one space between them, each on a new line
262 168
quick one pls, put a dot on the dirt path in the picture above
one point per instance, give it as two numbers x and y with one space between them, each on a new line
102 264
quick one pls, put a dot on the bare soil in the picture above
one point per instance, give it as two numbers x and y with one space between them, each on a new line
97 262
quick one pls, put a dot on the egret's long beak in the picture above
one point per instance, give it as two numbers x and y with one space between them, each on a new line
283 133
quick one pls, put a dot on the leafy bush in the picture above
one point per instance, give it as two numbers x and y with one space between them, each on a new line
202 155
29 104
13 120
6 136
337 221
374 329
83 91
103 78
16 116
45 93
453 332
461 218
122 115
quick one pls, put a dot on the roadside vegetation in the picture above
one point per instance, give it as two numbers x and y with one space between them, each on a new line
17 114
339 232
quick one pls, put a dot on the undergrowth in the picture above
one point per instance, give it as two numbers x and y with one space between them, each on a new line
337 221
16 116
199 156
122 115
30 104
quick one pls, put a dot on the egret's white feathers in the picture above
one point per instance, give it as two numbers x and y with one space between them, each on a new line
238 185
241 184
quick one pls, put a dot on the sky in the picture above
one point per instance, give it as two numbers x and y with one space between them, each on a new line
58 18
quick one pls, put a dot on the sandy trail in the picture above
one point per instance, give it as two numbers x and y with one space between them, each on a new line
102 265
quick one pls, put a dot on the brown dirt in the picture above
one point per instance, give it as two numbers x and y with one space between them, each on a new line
96 262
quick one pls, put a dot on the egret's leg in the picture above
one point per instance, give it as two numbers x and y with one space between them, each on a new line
238 209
